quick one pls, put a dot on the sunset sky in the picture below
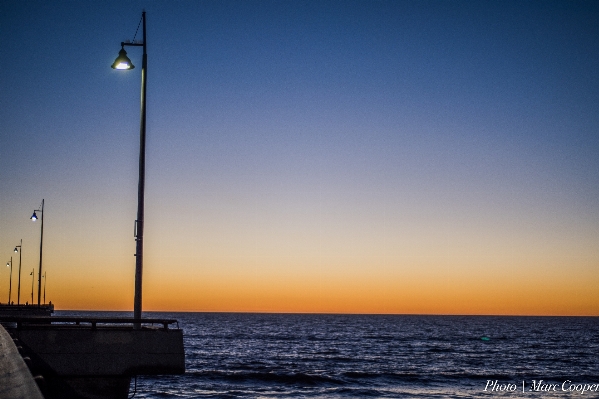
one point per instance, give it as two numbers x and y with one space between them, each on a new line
429 157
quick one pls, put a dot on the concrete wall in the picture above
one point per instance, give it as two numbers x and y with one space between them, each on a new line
82 351
81 362
16 381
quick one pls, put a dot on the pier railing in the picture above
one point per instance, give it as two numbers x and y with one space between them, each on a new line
83 322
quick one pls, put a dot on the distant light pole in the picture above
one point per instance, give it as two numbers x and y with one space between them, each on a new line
39 287
122 62
45 280
32 274
9 284
20 251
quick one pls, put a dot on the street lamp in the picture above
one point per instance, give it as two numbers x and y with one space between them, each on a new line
19 249
9 284
45 280
34 218
32 274
123 62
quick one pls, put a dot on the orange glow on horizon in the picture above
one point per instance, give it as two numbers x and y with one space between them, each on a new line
418 291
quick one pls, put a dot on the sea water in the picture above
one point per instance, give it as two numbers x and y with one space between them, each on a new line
245 355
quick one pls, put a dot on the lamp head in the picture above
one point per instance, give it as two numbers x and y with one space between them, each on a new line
122 61
33 217
7 264
16 249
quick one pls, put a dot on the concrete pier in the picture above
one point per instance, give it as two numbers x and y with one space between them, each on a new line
26 310
95 358
16 381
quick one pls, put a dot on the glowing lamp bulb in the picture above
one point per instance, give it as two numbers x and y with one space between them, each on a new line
122 61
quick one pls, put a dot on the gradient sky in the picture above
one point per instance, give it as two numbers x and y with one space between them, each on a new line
433 157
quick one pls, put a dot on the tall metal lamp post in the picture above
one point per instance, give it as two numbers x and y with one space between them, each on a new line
123 62
19 249
45 280
32 274
39 286
10 283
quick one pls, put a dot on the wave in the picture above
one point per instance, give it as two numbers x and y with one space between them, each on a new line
268 377
356 378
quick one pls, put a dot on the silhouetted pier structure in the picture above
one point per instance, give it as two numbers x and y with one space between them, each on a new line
27 310
93 357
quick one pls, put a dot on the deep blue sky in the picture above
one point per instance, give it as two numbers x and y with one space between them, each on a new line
382 140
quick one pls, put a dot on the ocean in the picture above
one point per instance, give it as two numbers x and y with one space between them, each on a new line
250 355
